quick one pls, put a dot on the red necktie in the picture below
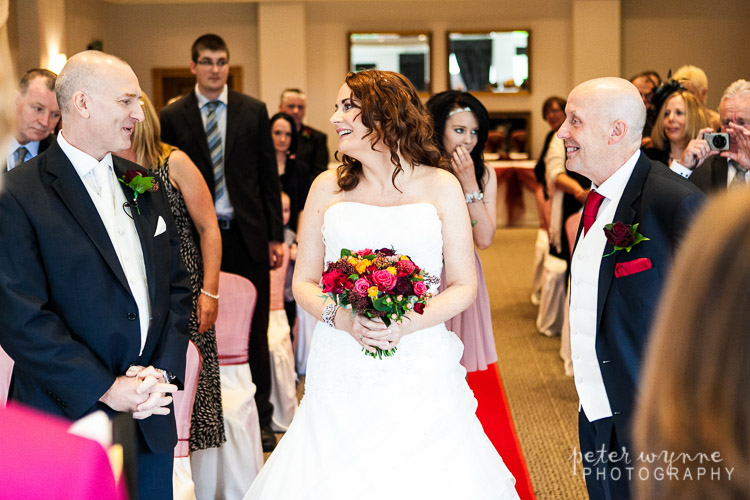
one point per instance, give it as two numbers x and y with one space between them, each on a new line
593 202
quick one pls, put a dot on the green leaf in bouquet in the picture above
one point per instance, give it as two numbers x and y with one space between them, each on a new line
345 252
381 305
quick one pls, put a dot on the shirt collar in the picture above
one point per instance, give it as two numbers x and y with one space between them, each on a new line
202 100
614 186
32 146
82 162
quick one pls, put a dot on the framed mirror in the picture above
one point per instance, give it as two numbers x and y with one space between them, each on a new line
405 53
496 62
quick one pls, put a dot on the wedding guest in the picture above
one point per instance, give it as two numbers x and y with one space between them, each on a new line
713 170
95 296
290 239
37 115
695 81
241 174
200 249
679 121
293 173
461 124
613 292
697 365
387 193
311 146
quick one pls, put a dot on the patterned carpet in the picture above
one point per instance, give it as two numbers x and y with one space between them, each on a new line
542 399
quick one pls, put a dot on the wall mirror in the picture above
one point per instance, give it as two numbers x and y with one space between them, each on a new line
496 62
405 53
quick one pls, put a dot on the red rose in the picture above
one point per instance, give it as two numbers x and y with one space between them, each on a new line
419 308
364 252
420 288
385 251
130 175
620 235
383 280
406 266
403 286
334 282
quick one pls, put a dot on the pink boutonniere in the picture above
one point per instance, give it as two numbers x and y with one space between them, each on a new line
623 236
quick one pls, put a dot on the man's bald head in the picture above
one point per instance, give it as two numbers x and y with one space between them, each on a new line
83 72
603 127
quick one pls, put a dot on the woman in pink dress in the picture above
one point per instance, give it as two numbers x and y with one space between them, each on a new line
461 127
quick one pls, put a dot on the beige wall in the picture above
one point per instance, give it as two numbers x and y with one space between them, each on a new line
654 34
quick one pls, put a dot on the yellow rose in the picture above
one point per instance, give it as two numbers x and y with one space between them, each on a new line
362 266
391 270
353 261
372 291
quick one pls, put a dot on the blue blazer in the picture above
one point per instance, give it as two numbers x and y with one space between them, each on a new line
69 319
663 204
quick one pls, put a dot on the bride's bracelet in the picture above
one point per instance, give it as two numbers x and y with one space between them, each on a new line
329 313
215 297
475 196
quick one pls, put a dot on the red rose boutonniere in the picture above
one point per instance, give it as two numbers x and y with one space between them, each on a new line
623 236
306 132
136 181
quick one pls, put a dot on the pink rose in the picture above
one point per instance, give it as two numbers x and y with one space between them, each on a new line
419 289
406 266
383 280
361 286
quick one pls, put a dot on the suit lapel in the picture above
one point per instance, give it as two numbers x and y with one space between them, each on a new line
234 113
195 123
625 213
74 195
145 224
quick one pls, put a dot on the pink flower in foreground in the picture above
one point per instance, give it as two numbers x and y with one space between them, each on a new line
420 288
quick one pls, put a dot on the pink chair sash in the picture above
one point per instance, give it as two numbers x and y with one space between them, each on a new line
236 307
278 281
184 401
6 370
571 229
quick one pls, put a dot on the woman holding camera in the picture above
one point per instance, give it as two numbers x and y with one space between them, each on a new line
679 121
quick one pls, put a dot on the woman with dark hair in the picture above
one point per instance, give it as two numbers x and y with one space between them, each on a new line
294 175
461 125
403 426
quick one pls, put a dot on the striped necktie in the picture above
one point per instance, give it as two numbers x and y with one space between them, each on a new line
215 149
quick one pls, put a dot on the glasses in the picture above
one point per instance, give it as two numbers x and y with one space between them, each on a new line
208 63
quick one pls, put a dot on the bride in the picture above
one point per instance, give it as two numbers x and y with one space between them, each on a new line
401 427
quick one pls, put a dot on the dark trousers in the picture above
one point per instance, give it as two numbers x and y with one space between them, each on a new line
607 469
154 476
236 259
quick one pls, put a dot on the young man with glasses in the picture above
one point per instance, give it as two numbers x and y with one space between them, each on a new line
228 136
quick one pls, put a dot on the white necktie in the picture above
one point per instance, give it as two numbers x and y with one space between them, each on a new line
104 184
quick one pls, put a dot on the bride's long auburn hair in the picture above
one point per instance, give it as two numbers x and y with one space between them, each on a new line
394 116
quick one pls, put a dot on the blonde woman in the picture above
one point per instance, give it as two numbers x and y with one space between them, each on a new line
679 121
200 247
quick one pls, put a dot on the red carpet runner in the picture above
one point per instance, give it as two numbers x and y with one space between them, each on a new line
494 414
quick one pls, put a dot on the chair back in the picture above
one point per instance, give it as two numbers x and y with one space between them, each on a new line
278 281
571 229
236 308
185 399
6 370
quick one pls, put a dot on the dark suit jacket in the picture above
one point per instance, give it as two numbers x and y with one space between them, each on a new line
711 176
250 170
312 149
663 204
69 319
43 145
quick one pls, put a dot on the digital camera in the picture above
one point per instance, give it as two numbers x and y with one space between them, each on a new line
718 142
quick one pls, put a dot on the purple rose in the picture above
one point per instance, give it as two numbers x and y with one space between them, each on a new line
386 252
403 286
130 175
420 289
620 235
361 286
383 280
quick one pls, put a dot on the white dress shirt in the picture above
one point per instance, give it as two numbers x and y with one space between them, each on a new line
10 157
222 205
584 293
108 200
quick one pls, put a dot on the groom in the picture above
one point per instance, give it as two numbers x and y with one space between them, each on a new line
95 299
613 293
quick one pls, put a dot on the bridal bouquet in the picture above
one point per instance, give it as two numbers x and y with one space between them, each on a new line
377 284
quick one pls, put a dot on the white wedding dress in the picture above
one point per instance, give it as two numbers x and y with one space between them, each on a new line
402 427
